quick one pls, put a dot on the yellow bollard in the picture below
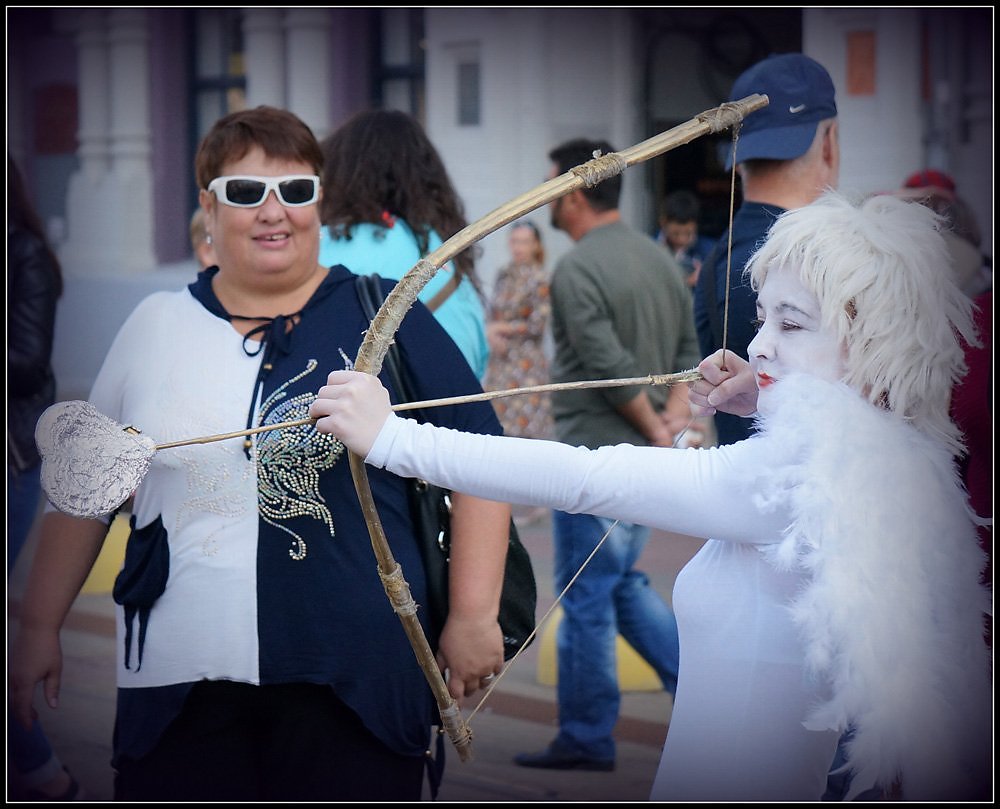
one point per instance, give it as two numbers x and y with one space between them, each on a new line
634 673
101 580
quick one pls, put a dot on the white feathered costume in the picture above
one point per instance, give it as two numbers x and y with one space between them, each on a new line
877 625
839 586
893 615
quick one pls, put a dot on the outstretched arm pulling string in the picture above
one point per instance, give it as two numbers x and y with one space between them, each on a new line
75 437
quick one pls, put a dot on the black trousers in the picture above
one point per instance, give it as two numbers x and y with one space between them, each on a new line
295 742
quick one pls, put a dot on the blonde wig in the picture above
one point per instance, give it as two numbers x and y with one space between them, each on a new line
879 269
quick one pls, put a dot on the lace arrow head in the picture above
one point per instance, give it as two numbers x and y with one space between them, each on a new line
90 463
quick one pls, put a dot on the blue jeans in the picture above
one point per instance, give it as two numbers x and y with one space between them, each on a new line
29 750
608 599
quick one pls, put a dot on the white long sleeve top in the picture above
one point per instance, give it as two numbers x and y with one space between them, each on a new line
762 697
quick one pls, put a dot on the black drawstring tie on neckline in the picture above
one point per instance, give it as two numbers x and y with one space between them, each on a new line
273 331
275 338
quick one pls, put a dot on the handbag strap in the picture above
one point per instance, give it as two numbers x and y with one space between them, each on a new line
369 288
442 295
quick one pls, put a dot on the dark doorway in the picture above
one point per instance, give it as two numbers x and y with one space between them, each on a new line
692 58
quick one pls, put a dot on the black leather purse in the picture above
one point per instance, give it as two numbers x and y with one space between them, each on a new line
430 507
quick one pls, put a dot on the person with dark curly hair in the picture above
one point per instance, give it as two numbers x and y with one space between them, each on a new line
387 202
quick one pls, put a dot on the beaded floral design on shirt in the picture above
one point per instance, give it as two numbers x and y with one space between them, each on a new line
290 461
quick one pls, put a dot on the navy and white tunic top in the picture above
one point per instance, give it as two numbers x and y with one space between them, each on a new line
250 560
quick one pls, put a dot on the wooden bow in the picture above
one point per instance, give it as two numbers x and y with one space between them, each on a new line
381 333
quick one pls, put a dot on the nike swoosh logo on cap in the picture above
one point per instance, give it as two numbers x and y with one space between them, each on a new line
798 109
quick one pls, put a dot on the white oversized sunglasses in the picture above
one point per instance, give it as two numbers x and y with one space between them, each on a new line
245 191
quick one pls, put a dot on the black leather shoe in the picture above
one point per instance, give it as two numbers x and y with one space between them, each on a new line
553 758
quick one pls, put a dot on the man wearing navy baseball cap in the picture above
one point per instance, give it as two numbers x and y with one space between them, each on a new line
787 154
800 94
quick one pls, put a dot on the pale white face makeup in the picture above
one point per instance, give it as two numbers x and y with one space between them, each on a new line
791 337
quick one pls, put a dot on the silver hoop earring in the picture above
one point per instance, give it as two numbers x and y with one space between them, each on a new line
208 238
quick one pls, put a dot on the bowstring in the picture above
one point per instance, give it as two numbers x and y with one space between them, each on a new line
729 246
493 684
725 334
538 625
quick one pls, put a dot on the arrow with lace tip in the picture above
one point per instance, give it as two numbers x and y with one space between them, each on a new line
651 379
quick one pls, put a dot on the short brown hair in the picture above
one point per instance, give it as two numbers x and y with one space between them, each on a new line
278 132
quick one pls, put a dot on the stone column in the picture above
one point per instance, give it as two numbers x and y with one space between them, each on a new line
129 187
308 56
85 248
264 56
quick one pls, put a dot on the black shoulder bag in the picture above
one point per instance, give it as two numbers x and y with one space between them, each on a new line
430 507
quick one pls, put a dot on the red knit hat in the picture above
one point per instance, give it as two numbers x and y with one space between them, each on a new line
930 178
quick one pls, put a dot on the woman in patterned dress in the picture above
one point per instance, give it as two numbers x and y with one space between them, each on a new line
518 322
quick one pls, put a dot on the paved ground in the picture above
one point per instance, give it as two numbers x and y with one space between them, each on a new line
520 714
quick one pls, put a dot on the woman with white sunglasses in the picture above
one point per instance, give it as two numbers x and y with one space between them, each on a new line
258 656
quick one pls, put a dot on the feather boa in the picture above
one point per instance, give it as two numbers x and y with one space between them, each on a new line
893 615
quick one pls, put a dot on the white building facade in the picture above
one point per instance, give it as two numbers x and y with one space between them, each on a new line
495 87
